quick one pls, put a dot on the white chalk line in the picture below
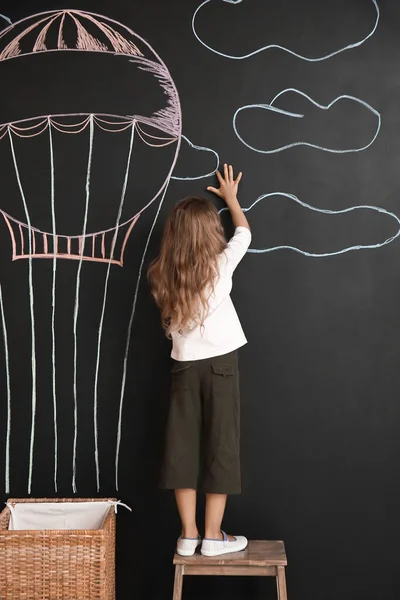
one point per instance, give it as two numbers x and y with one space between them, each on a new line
32 313
8 387
277 46
100 331
128 339
53 308
203 149
7 19
270 107
326 212
76 306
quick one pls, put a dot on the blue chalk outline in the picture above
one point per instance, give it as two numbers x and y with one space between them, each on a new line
7 19
326 212
268 47
272 108
201 149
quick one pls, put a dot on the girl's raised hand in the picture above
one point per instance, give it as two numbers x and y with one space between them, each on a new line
228 186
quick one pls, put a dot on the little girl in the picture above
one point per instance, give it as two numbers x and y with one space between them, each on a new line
191 281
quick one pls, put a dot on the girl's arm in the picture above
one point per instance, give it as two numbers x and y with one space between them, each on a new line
240 242
228 192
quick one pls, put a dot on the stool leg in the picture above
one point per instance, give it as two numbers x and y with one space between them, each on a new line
281 583
178 582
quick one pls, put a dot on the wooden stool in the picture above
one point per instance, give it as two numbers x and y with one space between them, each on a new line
260 558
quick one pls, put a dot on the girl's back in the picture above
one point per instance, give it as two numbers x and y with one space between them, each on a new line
191 281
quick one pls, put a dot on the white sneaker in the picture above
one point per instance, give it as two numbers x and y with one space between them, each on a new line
187 546
224 546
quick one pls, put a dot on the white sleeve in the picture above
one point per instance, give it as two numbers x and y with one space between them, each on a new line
237 247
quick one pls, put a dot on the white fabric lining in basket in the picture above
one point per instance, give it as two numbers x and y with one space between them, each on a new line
60 515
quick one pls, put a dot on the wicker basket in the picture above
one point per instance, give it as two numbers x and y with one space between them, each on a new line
57 565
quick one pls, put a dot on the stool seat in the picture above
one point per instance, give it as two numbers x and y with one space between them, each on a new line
259 553
260 558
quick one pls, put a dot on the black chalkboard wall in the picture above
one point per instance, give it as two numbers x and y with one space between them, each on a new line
320 374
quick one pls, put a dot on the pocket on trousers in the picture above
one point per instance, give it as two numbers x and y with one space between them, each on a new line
224 380
225 413
181 376
224 370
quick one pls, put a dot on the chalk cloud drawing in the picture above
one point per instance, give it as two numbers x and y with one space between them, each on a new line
210 151
276 46
272 110
83 34
332 213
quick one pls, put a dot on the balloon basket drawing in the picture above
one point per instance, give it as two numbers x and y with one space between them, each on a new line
57 564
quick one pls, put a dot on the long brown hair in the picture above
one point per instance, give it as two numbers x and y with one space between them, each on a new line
183 275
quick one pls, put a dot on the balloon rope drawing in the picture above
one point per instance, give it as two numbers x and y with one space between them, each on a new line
274 109
128 342
276 46
85 37
76 307
294 198
53 304
32 312
100 334
8 388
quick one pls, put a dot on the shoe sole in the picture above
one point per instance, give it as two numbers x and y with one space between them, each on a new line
186 553
224 551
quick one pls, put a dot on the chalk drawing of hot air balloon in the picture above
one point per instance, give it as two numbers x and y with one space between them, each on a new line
157 127
103 112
